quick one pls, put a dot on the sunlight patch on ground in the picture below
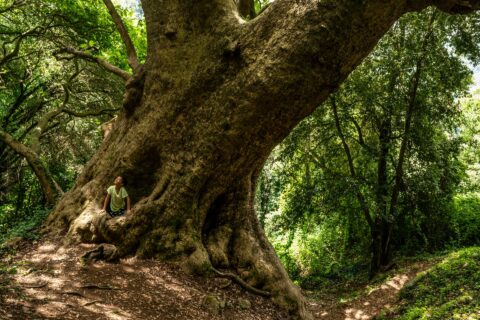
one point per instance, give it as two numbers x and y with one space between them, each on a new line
355 314
49 247
366 301
128 269
370 307
49 252
110 311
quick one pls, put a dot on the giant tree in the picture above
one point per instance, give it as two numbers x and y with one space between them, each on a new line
213 98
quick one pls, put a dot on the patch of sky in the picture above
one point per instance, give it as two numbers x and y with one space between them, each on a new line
131 4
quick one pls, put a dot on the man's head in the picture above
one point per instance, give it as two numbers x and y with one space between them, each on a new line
118 181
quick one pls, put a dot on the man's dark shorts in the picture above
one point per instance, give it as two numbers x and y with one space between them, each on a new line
115 213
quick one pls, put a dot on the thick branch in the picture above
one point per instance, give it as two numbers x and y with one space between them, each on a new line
85 56
302 50
40 128
46 181
131 52
42 123
448 6
88 113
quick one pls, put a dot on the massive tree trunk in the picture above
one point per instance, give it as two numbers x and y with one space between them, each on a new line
214 97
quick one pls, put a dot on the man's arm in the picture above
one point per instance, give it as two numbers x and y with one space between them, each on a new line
106 202
128 203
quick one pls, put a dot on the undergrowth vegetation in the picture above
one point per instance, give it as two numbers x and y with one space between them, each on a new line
449 290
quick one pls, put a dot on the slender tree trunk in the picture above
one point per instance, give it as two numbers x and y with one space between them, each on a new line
214 97
264 192
46 181
20 192
381 225
246 8
358 192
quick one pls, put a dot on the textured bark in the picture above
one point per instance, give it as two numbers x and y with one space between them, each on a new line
215 96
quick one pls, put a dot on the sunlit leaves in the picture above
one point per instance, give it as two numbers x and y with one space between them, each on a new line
316 187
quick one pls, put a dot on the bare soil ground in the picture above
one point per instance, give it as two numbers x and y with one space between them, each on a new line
51 283
48 281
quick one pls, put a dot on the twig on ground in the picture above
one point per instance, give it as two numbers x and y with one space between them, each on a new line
40 285
73 293
95 286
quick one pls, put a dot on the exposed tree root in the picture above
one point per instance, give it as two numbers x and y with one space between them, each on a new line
105 252
242 283
73 293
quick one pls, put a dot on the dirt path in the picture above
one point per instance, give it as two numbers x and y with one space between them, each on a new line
370 300
47 281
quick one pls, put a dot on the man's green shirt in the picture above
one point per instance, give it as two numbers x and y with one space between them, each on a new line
117 201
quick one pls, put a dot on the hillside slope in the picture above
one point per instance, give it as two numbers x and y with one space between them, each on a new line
448 290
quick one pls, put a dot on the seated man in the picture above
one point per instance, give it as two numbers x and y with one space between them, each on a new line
114 203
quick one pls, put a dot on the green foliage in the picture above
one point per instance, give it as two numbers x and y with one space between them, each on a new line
308 195
465 220
105 42
261 4
20 224
449 290
36 83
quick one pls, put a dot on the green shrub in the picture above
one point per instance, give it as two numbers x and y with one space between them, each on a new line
24 224
465 220
449 290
